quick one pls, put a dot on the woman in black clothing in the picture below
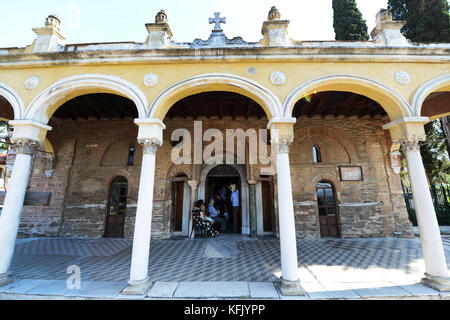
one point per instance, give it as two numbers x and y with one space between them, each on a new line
199 217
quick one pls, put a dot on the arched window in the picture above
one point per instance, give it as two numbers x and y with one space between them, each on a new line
131 155
316 154
326 202
117 207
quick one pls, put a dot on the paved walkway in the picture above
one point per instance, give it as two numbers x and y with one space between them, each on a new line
226 267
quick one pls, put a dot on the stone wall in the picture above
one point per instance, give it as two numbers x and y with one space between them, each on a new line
91 153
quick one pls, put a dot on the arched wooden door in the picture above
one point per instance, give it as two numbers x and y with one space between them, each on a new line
328 216
117 207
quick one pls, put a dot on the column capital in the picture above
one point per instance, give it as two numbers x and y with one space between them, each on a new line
31 130
193 183
283 143
407 132
409 142
282 133
26 146
150 145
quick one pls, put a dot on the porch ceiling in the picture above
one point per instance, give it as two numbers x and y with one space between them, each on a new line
218 105
97 105
337 103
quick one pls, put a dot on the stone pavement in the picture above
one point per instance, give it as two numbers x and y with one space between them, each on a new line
229 266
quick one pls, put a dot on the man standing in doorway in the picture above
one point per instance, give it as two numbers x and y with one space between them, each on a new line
235 204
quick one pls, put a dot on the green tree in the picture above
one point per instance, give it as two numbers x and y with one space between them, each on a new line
426 20
434 154
3 136
348 22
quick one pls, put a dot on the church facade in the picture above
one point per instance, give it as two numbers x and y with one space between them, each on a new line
96 128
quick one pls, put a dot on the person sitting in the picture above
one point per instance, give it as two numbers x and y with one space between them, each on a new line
219 222
199 218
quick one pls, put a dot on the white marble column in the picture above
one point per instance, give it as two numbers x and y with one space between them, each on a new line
150 137
139 282
436 275
194 187
290 283
12 207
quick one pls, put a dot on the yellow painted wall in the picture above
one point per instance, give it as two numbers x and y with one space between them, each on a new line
170 73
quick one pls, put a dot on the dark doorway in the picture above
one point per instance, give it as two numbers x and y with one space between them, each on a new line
220 177
117 207
328 216
178 201
267 202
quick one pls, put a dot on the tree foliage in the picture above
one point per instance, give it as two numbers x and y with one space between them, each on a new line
348 22
3 136
434 154
426 20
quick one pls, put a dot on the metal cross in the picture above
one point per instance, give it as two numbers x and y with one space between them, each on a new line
217 20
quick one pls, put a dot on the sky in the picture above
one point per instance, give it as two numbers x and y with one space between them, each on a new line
87 21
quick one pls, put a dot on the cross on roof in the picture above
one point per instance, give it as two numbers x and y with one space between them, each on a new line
217 20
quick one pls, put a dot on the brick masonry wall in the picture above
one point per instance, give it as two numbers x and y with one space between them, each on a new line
90 154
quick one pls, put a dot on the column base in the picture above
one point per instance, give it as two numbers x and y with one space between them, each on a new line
290 288
137 287
438 283
5 278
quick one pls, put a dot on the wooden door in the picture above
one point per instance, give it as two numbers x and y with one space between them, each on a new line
328 216
267 198
117 207
179 199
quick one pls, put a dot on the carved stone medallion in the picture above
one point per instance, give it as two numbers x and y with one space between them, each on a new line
151 80
278 78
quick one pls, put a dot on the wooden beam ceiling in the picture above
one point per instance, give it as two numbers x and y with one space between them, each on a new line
221 105
98 106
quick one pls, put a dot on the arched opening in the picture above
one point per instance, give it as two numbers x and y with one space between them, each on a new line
216 105
327 208
220 110
117 208
432 98
51 99
336 104
435 150
180 205
91 136
436 105
391 102
6 109
6 114
317 157
215 82
219 186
